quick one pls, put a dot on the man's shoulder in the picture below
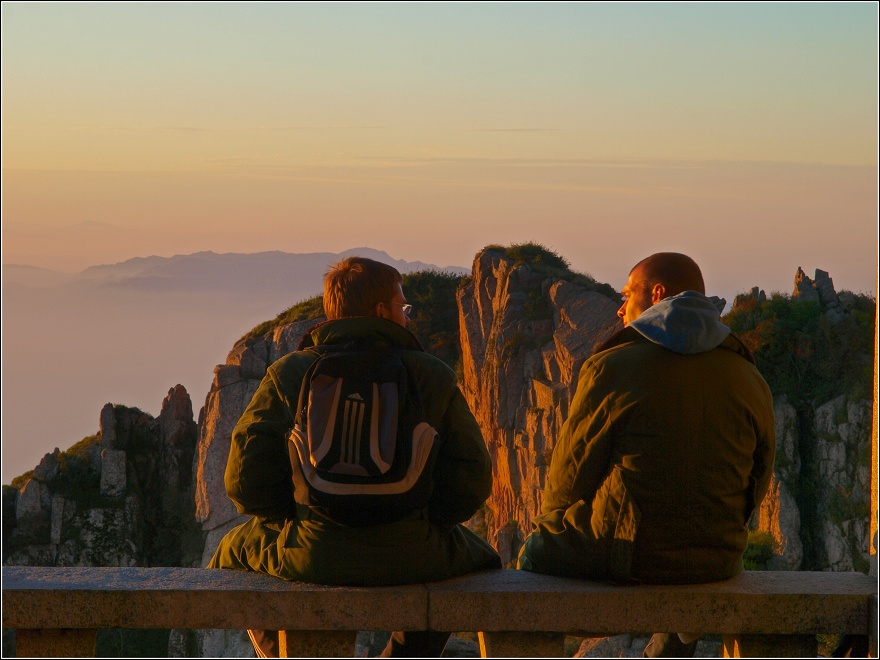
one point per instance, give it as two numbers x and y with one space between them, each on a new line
630 355
622 339
422 363
623 346
430 366
293 365
629 344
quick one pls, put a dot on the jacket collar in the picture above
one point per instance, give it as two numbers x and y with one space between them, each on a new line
365 331
629 335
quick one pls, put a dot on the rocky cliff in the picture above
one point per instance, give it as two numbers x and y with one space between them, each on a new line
817 509
123 497
524 336
813 349
120 498
235 383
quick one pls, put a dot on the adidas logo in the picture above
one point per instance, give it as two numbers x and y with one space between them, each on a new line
355 397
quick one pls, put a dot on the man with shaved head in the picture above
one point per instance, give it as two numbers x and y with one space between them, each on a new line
667 450
657 277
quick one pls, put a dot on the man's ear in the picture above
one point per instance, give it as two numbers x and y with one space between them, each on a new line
379 310
658 293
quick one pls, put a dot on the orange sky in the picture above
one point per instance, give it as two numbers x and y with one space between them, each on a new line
745 134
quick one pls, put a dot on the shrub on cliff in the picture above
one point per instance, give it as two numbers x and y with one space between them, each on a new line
305 310
77 477
546 262
805 354
760 549
434 319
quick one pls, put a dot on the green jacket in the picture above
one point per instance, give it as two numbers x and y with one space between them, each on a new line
661 462
297 543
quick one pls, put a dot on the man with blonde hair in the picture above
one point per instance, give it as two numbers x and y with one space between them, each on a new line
667 450
358 458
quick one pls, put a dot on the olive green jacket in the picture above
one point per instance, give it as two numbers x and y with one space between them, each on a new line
658 467
295 542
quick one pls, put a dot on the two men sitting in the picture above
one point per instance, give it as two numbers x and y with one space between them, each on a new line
667 450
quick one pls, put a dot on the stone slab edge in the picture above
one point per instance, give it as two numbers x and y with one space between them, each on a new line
199 598
754 602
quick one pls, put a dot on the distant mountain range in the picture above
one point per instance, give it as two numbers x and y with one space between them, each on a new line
260 272
127 332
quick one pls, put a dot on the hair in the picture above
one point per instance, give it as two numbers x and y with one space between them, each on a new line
677 272
354 285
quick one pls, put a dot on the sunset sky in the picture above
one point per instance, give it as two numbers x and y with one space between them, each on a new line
744 134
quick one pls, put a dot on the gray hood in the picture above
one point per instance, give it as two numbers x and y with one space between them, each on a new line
687 323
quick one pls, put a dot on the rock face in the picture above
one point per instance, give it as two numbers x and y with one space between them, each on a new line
822 503
803 288
755 294
234 385
120 498
632 646
524 337
818 505
820 290
779 514
842 436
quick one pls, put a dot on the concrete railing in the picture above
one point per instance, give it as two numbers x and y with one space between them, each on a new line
57 611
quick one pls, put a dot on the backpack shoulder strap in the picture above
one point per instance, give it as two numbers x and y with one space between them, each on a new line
303 399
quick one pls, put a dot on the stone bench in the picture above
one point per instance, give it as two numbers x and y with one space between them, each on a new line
57 611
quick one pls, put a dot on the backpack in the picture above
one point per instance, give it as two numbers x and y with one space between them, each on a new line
361 449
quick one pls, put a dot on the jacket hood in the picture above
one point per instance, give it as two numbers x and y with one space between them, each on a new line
686 323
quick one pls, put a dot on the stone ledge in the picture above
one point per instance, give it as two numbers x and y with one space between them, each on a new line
44 598
753 602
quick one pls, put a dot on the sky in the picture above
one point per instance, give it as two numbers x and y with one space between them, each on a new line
744 134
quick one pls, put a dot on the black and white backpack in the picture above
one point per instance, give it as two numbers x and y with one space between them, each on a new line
361 449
